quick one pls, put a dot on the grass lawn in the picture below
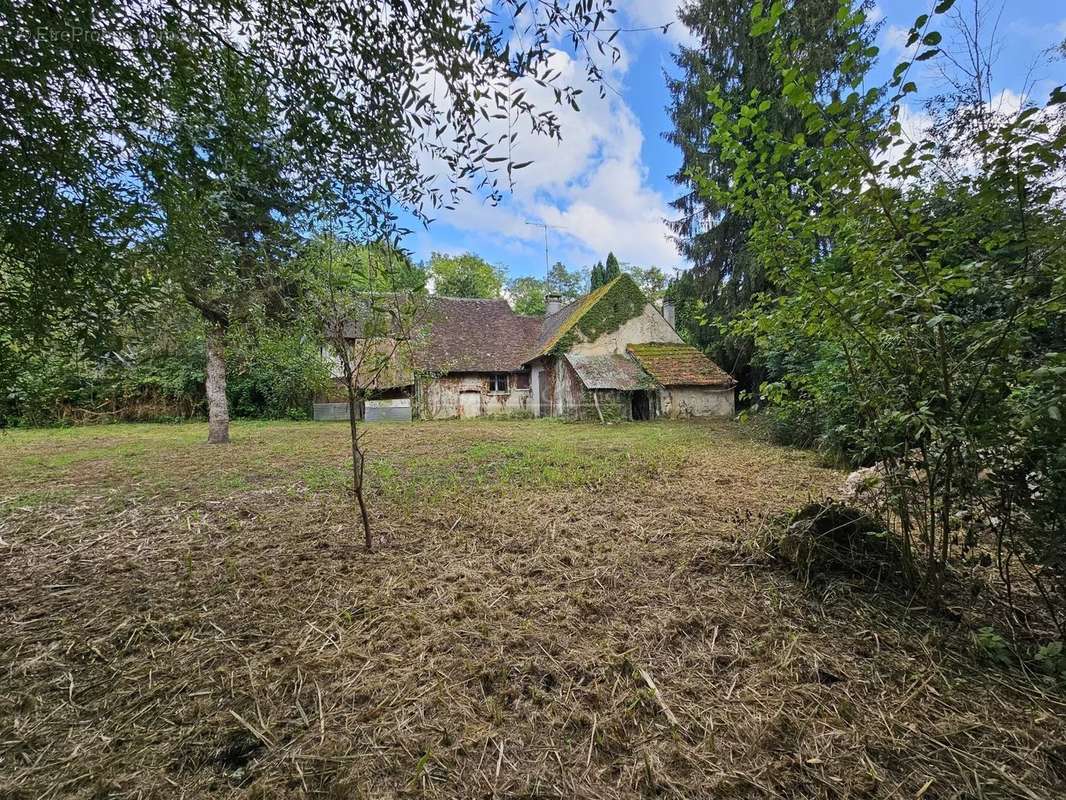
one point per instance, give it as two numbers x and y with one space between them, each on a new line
186 620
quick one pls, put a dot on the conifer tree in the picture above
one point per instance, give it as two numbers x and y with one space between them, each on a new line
612 269
597 276
723 279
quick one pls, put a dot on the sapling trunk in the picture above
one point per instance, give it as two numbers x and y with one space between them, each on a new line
358 461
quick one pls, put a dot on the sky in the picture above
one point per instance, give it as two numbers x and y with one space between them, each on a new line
606 186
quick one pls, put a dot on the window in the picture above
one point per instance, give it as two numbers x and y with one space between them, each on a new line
498 382
521 381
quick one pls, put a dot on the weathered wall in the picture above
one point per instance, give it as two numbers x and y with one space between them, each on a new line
648 326
568 390
440 398
615 406
697 401
542 386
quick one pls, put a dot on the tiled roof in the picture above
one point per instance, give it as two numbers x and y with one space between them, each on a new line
679 365
608 372
468 335
474 335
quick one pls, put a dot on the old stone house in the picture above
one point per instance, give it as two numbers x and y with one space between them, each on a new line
609 355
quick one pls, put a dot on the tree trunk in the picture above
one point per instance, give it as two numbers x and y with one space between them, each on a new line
358 459
217 407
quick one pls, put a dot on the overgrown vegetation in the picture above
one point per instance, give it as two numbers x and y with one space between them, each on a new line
466 275
197 142
154 371
724 277
152 367
918 326
602 311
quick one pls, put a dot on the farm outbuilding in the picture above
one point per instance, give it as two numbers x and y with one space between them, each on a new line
610 355
690 384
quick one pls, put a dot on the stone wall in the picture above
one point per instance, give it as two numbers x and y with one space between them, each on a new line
648 326
466 394
697 401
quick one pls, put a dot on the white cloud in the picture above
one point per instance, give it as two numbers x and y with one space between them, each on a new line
592 184
655 13
914 125
610 207
895 38
1006 102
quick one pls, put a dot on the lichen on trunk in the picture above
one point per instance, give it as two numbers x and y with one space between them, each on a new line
217 406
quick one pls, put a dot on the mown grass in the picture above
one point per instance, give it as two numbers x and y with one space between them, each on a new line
428 461
180 619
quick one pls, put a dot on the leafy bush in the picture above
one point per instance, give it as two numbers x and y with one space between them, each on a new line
275 374
923 288
157 374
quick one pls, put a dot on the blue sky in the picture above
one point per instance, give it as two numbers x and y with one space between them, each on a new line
606 185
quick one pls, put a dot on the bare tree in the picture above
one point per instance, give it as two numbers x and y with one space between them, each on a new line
372 329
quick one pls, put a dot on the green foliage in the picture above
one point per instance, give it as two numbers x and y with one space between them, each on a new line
602 311
712 234
570 284
275 373
1051 659
221 176
466 275
89 98
993 647
918 315
604 273
527 295
611 269
613 407
135 376
156 372
651 280
357 267
597 278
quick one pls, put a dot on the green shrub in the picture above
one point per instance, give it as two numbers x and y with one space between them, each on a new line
275 374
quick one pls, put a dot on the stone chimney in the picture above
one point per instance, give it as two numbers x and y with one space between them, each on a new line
552 302
668 311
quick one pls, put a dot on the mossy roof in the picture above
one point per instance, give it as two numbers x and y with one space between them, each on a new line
563 321
673 364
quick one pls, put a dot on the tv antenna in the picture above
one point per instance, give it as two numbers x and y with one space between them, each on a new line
545 226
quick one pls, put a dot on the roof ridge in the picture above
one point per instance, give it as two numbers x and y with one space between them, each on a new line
471 299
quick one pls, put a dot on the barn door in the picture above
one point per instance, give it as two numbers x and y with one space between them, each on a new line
544 391
469 404
641 406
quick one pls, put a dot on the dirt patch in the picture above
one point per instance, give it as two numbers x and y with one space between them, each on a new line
555 630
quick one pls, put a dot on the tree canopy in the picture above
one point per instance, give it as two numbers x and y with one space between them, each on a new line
466 275
527 295
651 280
146 142
388 106
570 284
611 268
